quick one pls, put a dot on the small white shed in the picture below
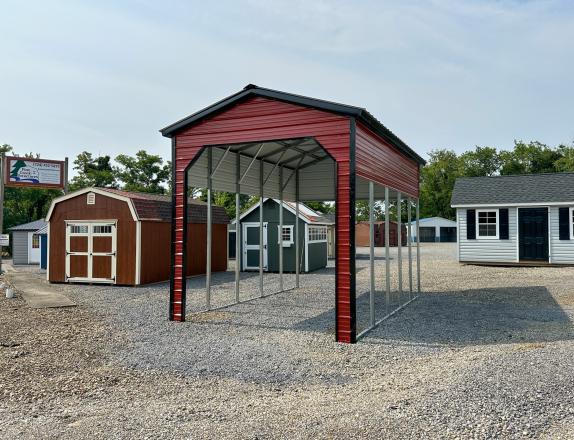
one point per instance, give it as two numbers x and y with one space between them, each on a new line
435 229
519 219
26 242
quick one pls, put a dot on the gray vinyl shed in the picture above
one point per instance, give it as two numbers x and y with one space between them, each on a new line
313 237
521 219
26 242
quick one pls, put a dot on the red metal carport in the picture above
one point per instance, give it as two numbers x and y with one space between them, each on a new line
304 136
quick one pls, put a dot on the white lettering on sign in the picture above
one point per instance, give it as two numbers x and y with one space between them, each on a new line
34 172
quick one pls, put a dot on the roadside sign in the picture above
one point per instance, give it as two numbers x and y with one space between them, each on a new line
4 239
38 173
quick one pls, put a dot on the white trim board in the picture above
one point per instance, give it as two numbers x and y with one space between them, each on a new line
285 206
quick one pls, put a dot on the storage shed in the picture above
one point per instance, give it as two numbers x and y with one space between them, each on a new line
26 242
436 229
43 233
515 220
313 229
269 143
362 234
111 236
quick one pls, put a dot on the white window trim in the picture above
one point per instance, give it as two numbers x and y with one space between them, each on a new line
482 237
319 227
286 243
570 211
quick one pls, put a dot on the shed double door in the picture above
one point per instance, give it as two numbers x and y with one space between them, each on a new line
91 252
533 234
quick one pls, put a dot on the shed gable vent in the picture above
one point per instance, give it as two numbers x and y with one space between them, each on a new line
91 198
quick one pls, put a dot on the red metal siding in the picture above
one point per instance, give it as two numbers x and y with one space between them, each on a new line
382 163
258 119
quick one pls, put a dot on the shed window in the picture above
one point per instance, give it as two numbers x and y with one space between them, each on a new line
317 234
571 223
102 229
35 241
78 229
287 234
487 224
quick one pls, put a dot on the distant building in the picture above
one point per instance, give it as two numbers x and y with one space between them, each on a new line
435 229
26 242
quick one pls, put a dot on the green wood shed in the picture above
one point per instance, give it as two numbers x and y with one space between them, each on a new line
313 235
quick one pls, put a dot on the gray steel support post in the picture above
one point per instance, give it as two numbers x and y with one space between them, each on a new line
410 252
208 264
238 255
261 165
418 248
66 176
372 252
400 245
297 256
280 228
387 250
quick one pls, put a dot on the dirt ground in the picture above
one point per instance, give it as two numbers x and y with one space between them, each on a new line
484 352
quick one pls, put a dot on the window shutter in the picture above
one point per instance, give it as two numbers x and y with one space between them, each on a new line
470 224
503 224
564 223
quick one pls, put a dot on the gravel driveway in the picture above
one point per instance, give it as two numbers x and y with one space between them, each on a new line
485 352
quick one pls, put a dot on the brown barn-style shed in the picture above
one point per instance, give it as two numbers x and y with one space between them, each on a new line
362 234
111 236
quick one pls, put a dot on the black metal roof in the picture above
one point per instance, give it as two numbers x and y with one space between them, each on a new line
359 113
514 189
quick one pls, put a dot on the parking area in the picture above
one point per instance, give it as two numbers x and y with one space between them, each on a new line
484 352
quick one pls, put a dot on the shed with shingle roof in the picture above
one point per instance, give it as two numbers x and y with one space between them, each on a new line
515 219
108 235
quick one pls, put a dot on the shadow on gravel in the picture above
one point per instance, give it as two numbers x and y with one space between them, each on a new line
483 316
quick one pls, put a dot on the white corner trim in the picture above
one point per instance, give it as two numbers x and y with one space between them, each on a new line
306 247
47 253
138 252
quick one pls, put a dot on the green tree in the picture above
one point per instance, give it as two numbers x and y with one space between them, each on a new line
531 158
93 171
482 161
437 183
144 172
566 160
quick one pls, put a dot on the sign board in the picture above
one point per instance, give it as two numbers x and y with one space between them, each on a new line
4 239
38 173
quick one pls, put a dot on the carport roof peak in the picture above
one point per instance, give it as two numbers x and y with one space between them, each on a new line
359 113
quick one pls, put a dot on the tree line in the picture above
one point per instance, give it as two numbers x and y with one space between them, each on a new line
149 173
445 166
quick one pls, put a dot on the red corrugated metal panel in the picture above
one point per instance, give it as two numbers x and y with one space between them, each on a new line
382 163
258 119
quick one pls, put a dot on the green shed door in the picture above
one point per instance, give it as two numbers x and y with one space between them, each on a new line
251 246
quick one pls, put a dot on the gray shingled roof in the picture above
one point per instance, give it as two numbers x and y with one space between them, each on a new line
512 190
32 226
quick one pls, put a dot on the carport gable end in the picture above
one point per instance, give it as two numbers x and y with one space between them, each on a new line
256 118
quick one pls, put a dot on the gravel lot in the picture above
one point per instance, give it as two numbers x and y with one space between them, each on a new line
485 352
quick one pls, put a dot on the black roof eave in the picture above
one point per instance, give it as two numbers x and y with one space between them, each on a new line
341 109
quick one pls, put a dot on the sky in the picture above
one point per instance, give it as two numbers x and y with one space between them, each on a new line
105 76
